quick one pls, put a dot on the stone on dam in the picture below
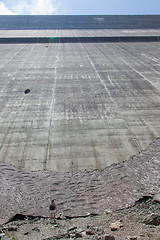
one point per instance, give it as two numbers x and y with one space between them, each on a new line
71 106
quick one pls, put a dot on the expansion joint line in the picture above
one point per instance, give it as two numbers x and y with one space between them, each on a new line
101 80
52 109
140 74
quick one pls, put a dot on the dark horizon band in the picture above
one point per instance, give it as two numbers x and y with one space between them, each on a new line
33 40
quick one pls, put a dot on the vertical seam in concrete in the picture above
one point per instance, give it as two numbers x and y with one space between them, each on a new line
51 111
140 148
102 82
92 64
156 87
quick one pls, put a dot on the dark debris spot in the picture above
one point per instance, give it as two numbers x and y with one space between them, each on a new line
27 91
144 199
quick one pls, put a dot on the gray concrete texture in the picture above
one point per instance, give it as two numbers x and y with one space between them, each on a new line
79 33
90 104
80 22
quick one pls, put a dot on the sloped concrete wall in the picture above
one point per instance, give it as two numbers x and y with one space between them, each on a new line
80 22
90 104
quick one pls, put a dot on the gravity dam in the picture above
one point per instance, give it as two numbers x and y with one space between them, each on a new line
78 92
79 95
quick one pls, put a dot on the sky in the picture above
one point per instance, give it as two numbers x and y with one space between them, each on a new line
79 7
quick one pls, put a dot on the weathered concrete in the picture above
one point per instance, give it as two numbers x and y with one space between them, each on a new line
79 33
67 107
80 22
80 194
90 104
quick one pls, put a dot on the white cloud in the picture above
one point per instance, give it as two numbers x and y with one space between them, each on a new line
4 10
42 7
22 7
30 7
36 7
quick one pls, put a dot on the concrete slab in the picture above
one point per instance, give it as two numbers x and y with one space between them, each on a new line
14 22
78 33
90 104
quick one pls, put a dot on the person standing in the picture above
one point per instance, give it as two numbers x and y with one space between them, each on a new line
52 209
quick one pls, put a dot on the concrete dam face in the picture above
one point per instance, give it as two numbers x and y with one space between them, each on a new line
78 92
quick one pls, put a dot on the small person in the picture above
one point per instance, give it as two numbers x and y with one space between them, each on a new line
52 209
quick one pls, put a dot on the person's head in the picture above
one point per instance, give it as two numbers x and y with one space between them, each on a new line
52 200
